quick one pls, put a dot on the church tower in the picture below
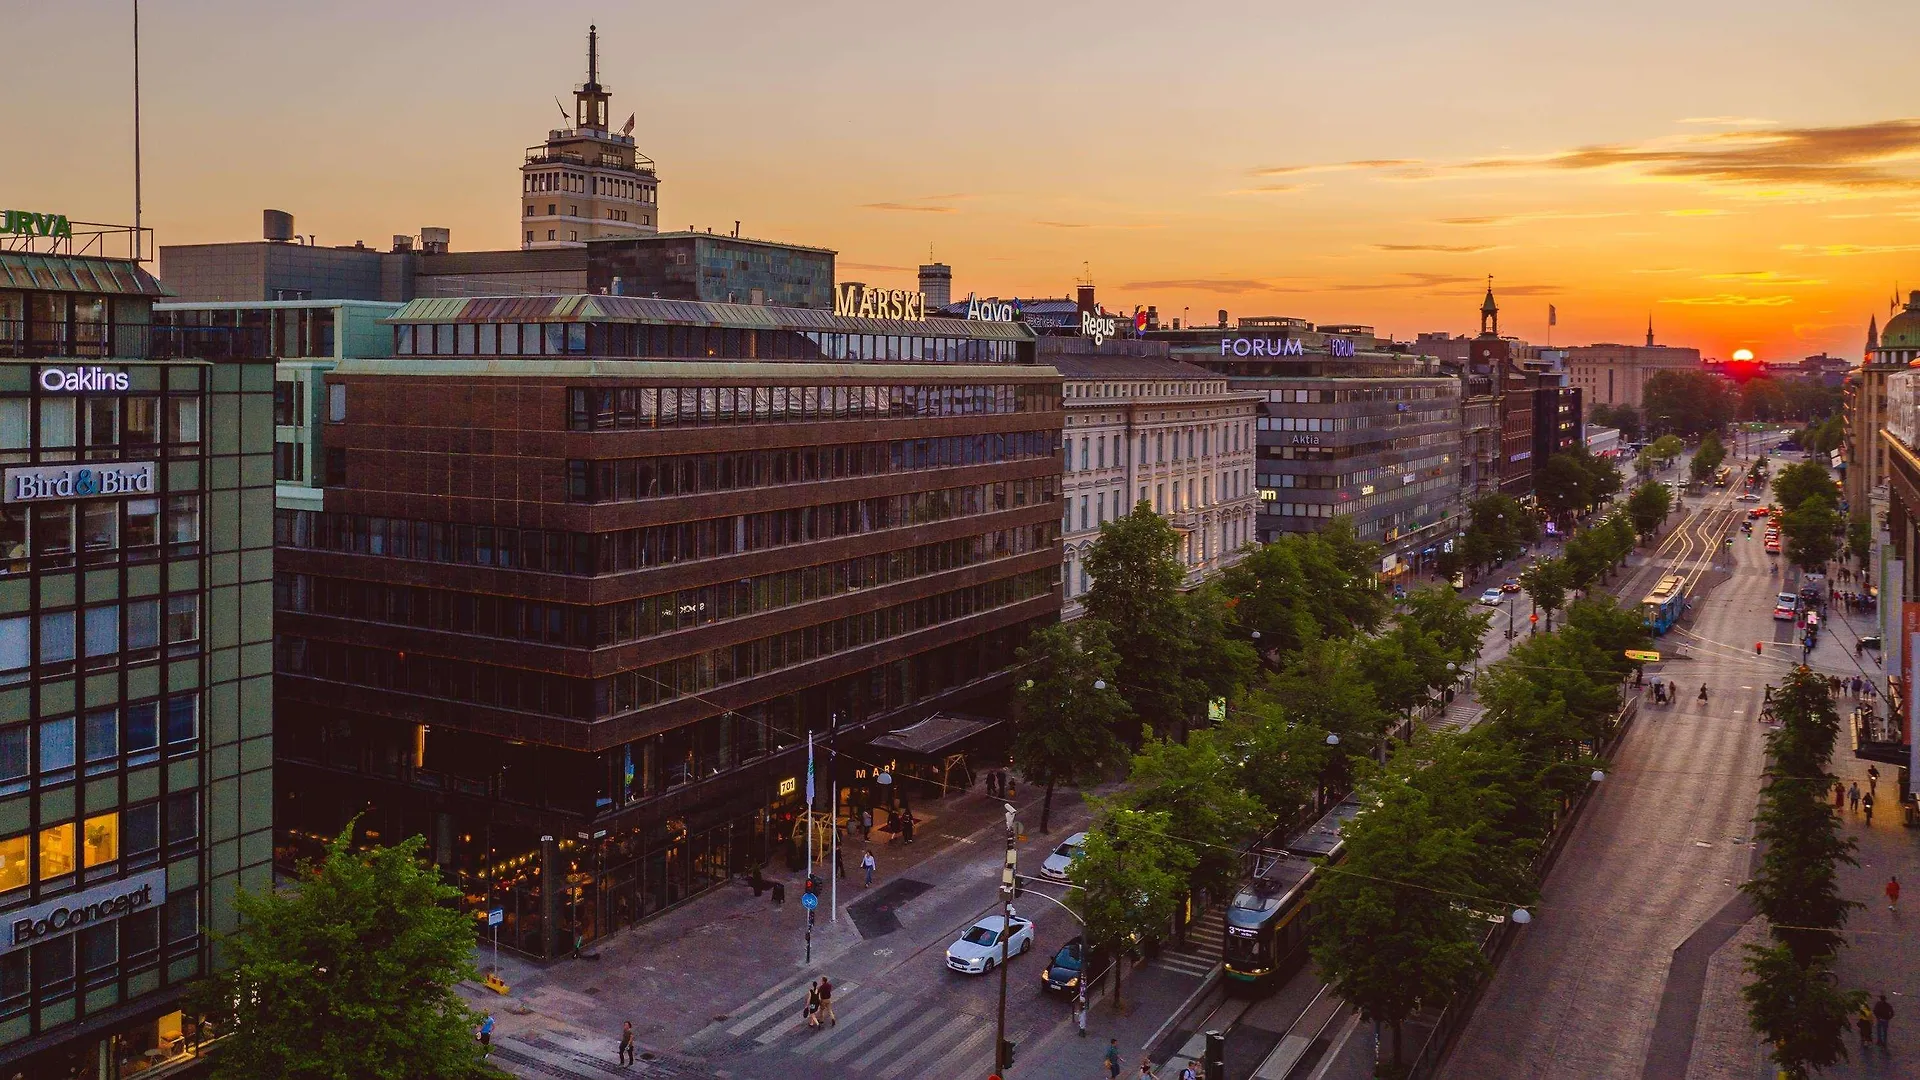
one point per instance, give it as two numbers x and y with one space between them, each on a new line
1489 313
1649 330
587 181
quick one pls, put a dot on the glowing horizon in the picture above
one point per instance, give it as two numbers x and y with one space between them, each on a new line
1340 166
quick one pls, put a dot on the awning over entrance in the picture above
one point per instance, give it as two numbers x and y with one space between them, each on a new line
937 734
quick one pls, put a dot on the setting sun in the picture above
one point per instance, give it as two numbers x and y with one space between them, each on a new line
1743 354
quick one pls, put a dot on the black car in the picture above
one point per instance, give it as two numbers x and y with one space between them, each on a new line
1065 972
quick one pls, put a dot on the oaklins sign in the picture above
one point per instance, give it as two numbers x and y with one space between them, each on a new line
28 223
860 302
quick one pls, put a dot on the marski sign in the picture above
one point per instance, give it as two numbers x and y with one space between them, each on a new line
860 302
51 482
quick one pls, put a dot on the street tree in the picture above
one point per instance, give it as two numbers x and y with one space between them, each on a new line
1395 926
1283 756
1136 591
1328 684
348 972
1561 484
1131 878
1624 417
1707 458
1221 658
1686 403
1196 785
1546 582
1306 585
1812 531
1067 721
1859 538
1667 449
1801 481
1799 1009
1649 506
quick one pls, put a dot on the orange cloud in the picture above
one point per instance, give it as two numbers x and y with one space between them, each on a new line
1443 249
1850 157
1729 300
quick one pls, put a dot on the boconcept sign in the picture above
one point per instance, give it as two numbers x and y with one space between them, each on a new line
56 918
79 482
95 380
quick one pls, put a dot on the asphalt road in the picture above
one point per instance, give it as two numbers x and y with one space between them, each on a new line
1661 847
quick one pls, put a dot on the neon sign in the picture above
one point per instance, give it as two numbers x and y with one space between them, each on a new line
83 380
861 302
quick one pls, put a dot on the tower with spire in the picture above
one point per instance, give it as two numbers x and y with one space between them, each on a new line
1649 329
1489 313
587 181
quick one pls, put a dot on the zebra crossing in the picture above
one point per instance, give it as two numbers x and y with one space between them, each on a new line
879 1036
566 1055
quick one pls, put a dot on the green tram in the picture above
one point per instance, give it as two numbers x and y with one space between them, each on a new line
1270 917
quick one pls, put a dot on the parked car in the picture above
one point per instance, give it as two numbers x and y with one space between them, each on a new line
1747 496
1786 606
977 951
1492 597
1064 856
1073 968
1512 584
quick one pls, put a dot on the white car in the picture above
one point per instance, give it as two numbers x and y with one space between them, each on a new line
1492 597
978 950
1063 856
1748 496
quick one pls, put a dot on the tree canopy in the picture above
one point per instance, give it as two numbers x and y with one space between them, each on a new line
1068 727
1686 403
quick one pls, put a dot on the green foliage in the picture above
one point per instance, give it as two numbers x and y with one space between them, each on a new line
1067 728
1136 592
1667 449
1546 581
1574 481
1282 754
1799 1009
1306 585
1707 458
1409 660
1624 417
1394 924
1801 481
1812 532
1196 786
1131 880
1330 684
350 973
1498 528
1824 437
1686 403
1649 506
1859 538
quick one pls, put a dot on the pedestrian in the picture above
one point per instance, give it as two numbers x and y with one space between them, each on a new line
866 864
1113 1059
906 826
1882 1016
1866 806
993 784
1873 778
1893 893
626 1044
812 1009
485 1035
1188 1074
839 862
1146 1070
1080 1013
826 1002
1769 696
1839 795
1864 1022
1853 797
866 823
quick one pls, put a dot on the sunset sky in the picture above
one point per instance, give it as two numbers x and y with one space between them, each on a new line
1748 173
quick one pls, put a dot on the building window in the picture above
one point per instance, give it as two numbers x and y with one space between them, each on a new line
183 720
183 817
56 851
140 830
101 839
13 863
102 740
183 624
549 234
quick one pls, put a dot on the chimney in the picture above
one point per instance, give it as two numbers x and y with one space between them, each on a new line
1084 300
1153 317
276 225
435 240
1223 318
402 243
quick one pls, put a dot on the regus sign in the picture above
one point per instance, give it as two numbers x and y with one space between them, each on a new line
79 482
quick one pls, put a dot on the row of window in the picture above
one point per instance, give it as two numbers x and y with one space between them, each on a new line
1364 393
99 636
106 427
656 545
99 954
1438 442
629 479
285 333
580 626
1357 423
96 532
615 408
1200 444
135 834
529 691
648 340
102 741
72 324
1184 388
1228 485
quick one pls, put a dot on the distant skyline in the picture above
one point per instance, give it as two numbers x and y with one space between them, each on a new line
1747 174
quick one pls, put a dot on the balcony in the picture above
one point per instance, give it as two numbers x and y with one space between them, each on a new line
79 340
540 155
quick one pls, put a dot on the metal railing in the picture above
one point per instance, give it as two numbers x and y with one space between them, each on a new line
20 339
85 238
211 342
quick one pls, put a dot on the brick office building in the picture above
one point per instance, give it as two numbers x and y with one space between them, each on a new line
591 567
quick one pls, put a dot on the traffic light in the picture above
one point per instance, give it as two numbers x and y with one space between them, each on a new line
1006 1053
812 886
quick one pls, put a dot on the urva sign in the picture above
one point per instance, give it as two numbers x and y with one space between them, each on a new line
88 482
28 223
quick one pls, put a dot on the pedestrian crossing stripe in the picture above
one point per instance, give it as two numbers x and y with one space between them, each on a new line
840 993
764 1005
951 1030
838 1044
898 1038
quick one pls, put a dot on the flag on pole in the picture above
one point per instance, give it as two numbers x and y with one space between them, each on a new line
628 130
1553 316
809 768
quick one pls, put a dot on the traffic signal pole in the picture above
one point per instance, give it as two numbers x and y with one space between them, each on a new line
1002 1053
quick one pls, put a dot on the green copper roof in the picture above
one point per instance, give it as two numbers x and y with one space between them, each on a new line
76 274
1903 330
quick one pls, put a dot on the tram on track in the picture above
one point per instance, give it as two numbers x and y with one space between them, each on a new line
1665 604
1270 917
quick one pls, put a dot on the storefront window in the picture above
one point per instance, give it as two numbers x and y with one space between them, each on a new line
102 837
56 851
13 863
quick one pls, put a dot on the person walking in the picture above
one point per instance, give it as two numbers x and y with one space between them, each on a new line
1866 806
839 862
1864 1023
1839 796
1893 893
812 1010
1113 1059
866 865
1882 1016
826 1002
1080 1013
626 1043
906 826
1146 1070
1873 778
485 1035
1853 797
866 823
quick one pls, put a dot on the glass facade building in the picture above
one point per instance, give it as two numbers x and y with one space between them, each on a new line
135 665
592 567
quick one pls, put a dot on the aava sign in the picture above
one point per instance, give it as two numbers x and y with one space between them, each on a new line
28 223
79 482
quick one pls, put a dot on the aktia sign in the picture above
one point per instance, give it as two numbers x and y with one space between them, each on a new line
861 302
28 223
